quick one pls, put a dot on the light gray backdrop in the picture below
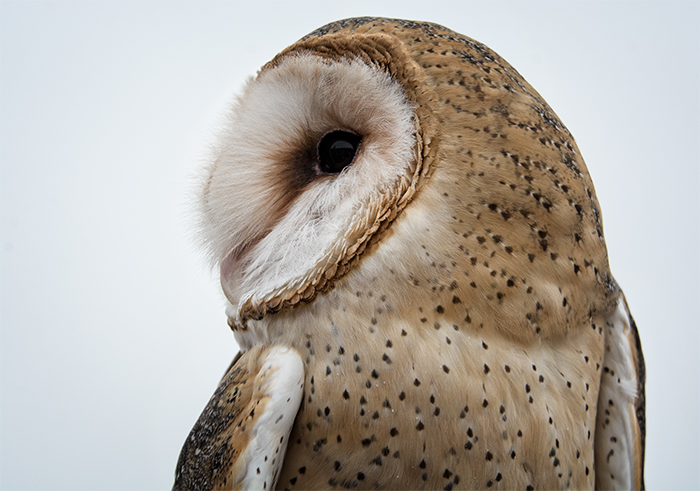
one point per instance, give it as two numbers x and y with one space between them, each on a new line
113 334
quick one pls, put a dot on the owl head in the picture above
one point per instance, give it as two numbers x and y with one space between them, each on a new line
368 122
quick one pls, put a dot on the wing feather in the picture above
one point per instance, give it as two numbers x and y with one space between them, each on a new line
620 421
241 437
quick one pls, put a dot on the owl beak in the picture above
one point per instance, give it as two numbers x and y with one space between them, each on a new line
229 273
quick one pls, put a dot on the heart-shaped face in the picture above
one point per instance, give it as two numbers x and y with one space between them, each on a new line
317 158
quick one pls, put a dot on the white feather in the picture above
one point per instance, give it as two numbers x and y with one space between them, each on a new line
283 384
617 432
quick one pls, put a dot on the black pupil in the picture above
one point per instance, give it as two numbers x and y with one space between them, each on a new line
337 150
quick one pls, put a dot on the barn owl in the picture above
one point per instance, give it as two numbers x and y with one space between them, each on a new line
412 254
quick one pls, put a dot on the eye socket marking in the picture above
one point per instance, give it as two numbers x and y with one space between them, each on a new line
337 150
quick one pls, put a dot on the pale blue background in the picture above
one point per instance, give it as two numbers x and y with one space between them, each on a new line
113 335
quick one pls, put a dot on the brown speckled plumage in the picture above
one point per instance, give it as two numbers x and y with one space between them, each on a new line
463 342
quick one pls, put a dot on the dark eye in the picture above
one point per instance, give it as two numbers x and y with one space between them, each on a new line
337 150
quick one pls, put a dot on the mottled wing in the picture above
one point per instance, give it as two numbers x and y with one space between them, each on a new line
620 424
241 437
